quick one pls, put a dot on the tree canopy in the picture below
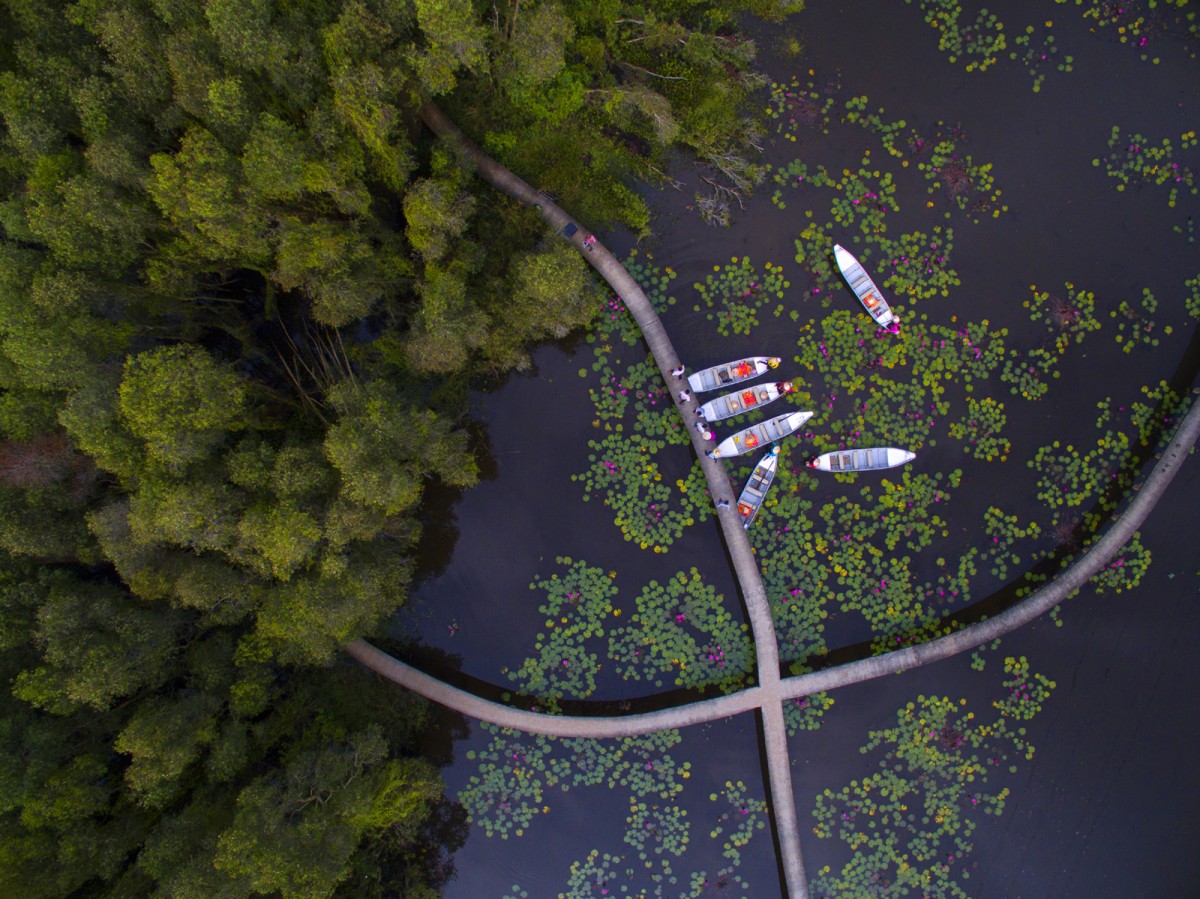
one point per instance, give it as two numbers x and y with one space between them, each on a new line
242 297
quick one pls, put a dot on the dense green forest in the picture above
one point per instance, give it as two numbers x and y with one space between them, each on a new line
242 297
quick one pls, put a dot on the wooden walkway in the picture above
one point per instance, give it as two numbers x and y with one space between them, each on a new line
772 690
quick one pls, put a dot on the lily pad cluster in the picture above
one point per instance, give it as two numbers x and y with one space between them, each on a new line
909 825
575 609
518 771
981 429
1192 298
977 43
683 632
1004 531
1137 23
742 816
1135 323
1068 316
795 105
1038 53
735 294
1133 160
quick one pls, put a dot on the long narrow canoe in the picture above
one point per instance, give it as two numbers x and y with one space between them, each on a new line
731 373
864 288
760 434
756 488
861 459
731 404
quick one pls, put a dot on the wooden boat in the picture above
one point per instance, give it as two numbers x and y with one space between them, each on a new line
731 373
861 459
760 434
740 401
756 488
864 288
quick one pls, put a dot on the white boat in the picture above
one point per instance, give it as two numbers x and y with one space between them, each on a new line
731 373
756 488
870 459
760 434
864 288
731 404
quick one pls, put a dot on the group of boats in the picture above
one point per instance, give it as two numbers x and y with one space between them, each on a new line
773 430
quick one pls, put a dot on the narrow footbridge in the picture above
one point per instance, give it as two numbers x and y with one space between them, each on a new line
772 690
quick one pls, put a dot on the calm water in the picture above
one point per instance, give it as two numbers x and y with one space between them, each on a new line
1106 806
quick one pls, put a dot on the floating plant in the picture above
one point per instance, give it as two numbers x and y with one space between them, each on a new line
1126 570
1192 300
652 829
683 631
737 292
1136 23
794 106
982 430
1039 54
726 884
1132 160
1003 531
624 471
977 43
1135 323
575 610
969 185
740 818
1069 317
910 824
804 713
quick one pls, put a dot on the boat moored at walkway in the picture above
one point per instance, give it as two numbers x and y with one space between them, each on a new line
731 404
757 486
731 373
761 434
864 288
868 459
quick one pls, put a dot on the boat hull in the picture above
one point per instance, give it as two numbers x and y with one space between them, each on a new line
731 404
761 434
867 459
730 373
755 491
864 288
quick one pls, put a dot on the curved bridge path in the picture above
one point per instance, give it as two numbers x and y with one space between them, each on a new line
772 690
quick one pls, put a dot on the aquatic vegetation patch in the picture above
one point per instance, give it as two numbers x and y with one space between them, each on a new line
735 294
1135 323
1069 316
575 609
1003 532
682 630
623 470
981 430
1139 22
741 817
794 106
969 185
1132 160
1192 299
526 767
1126 570
978 43
1037 51
910 824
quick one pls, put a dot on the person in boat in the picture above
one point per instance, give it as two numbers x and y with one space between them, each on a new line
812 463
784 386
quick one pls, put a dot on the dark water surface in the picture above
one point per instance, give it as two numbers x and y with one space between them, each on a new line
1107 806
